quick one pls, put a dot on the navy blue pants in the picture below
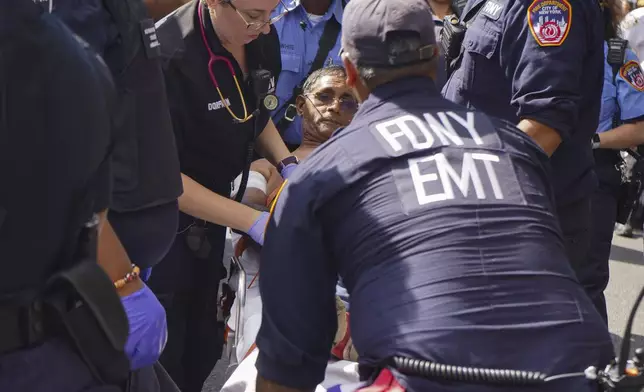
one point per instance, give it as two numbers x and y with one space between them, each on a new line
187 283
595 275
53 366
585 241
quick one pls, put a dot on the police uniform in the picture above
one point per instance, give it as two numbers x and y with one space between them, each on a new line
56 173
299 35
623 92
540 60
213 150
147 181
440 222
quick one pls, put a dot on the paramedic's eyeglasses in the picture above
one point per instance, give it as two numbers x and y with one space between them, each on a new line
347 103
256 24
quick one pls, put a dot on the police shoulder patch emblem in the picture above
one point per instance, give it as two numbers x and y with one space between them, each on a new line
632 73
549 21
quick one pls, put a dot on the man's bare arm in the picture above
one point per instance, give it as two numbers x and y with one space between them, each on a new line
547 138
624 136
113 258
264 385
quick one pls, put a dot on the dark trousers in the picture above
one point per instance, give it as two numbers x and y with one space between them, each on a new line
186 283
577 221
603 213
52 366
151 379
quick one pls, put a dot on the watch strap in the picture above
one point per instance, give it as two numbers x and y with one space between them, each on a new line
292 159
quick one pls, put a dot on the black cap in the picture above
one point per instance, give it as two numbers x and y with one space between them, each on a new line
368 25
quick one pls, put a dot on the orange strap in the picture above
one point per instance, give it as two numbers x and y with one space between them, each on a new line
250 350
271 201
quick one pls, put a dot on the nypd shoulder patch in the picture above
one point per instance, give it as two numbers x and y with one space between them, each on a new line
549 21
632 73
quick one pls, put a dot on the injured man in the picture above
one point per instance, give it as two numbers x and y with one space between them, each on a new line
325 105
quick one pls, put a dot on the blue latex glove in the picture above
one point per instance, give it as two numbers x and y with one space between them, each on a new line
145 274
258 228
148 328
288 170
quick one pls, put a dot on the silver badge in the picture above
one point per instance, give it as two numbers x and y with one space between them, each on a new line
270 102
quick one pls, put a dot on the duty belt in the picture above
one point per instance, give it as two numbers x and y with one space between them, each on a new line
23 326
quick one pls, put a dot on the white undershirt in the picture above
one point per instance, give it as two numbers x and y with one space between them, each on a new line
315 19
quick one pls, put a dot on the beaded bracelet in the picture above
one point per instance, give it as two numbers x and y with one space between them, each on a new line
129 277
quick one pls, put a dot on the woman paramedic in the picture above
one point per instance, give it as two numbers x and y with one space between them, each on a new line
221 59
621 125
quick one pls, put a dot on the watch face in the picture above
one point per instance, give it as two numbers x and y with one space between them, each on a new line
270 102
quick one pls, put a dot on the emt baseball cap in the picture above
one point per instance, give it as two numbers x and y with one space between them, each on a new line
369 25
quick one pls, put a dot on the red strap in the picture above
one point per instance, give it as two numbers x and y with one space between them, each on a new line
385 382
338 350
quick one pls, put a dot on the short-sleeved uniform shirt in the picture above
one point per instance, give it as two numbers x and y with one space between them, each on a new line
441 223
55 137
299 35
212 147
540 60
625 91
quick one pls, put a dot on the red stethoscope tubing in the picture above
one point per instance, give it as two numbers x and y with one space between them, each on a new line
211 61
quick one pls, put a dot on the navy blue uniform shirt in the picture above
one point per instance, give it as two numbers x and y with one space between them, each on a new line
540 60
441 224
145 162
55 104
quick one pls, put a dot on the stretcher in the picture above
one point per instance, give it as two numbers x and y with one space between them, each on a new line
244 321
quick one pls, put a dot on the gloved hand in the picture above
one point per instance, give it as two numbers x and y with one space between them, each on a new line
145 274
287 170
258 228
148 328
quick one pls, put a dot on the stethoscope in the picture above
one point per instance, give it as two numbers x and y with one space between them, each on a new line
211 61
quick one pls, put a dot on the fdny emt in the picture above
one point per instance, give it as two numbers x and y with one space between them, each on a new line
441 223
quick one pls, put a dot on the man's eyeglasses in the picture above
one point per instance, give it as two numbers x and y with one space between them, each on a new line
347 103
254 23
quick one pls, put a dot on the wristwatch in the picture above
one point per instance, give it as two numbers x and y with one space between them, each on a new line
596 141
287 161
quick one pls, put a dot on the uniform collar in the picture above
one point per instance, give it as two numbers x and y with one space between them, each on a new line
335 9
413 84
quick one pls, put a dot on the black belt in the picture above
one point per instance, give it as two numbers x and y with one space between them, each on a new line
23 326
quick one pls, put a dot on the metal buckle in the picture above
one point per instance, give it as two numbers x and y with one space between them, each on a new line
290 113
